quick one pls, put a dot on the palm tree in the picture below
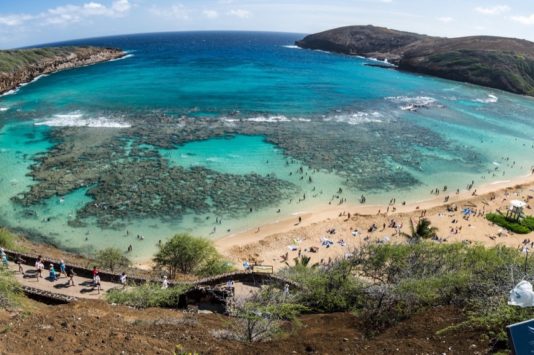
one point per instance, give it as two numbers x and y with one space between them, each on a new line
304 261
422 230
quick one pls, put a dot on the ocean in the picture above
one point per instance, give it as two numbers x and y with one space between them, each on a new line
217 132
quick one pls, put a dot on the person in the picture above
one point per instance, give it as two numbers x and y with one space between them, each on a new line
52 275
97 283
286 290
39 266
123 279
5 263
94 272
70 274
62 268
19 261
2 251
165 283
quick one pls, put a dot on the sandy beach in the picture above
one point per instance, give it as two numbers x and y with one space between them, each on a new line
280 242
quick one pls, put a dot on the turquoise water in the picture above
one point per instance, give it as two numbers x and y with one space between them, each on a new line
277 108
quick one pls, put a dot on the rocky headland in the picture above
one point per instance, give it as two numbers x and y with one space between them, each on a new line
496 62
24 65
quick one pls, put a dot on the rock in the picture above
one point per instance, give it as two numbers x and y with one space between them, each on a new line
490 61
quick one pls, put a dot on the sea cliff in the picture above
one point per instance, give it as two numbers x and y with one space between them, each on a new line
24 65
497 62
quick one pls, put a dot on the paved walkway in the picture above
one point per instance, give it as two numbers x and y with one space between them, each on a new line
82 288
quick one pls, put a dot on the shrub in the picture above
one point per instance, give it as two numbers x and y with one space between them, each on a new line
329 289
260 317
186 254
7 240
10 290
528 222
147 295
506 223
112 258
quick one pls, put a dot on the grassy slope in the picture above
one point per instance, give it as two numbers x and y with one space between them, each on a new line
13 60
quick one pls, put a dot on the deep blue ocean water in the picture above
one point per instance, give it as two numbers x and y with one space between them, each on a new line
259 77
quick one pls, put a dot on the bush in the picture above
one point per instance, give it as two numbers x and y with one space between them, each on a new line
10 290
186 254
147 295
112 258
7 240
329 289
260 317
528 222
506 223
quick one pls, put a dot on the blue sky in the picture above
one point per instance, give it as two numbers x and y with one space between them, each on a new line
27 22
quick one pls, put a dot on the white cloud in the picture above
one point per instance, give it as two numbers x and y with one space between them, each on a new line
178 11
15 20
121 6
239 13
210 13
525 20
492 10
67 14
387 1
445 19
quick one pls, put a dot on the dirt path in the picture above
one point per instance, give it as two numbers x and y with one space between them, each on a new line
82 288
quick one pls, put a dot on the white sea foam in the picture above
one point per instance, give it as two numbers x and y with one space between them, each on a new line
129 55
491 99
291 46
10 92
356 118
270 119
77 119
412 103
4 109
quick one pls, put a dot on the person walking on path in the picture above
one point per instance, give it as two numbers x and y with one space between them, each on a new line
123 279
97 283
39 266
62 268
19 261
5 263
70 274
95 272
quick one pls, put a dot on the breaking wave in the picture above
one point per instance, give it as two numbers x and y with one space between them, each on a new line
77 119
291 46
356 118
491 99
412 103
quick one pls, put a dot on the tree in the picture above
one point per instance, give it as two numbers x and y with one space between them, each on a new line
187 254
421 231
112 258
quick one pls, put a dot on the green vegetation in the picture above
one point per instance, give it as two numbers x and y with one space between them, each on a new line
10 291
147 295
524 226
112 258
261 317
186 254
7 239
13 60
384 284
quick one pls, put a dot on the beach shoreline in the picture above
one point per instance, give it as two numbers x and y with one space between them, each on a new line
253 243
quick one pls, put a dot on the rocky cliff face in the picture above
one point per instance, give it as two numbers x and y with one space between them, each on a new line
21 66
501 63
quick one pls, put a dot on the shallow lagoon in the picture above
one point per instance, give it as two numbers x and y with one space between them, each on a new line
376 122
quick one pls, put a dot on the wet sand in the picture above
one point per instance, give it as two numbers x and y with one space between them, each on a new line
269 243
